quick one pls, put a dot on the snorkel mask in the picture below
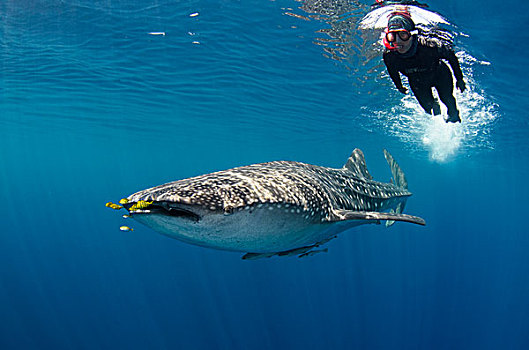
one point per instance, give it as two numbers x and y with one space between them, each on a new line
390 37
399 24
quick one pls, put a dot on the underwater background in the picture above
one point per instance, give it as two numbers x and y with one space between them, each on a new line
100 99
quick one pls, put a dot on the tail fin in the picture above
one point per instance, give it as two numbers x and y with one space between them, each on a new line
398 175
399 180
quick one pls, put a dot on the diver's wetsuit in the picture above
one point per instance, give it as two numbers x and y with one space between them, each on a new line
425 70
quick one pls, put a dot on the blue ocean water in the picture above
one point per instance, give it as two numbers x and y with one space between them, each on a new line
95 104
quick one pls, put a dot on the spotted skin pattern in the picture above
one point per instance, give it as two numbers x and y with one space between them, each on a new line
311 195
315 189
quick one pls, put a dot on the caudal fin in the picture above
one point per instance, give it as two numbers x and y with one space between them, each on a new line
399 180
398 175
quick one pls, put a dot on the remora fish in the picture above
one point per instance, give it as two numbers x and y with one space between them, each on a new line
277 208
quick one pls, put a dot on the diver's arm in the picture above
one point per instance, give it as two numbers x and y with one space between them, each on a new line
394 74
450 55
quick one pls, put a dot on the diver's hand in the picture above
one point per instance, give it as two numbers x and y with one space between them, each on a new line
403 90
461 85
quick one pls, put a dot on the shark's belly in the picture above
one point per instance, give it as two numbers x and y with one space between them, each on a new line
265 230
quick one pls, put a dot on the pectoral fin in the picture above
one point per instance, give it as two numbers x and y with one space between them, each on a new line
342 215
301 252
255 256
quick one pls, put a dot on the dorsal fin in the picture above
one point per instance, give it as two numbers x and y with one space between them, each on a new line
356 163
398 175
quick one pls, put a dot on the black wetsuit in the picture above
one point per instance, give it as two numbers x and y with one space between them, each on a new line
425 70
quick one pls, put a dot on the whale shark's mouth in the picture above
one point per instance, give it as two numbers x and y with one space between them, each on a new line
160 208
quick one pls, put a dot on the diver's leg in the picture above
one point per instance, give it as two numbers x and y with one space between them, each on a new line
445 88
423 94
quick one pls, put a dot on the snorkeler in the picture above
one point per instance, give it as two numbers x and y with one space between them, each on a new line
420 60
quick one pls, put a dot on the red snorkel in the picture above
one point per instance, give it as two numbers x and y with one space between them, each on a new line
387 44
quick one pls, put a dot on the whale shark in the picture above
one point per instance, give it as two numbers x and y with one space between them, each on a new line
279 208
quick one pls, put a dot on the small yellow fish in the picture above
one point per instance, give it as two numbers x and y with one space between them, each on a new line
140 205
113 206
125 228
123 201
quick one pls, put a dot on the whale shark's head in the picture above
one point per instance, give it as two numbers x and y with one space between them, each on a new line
174 218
